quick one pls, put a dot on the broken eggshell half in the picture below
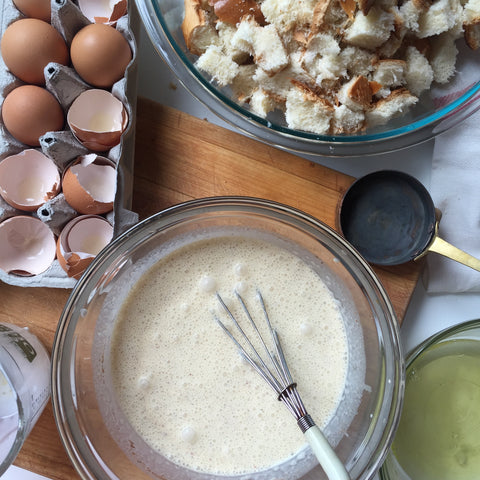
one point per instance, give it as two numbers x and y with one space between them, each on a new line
80 241
97 119
107 12
28 180
89 184
27 246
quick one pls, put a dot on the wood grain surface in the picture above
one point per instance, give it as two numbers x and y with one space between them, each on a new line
178 158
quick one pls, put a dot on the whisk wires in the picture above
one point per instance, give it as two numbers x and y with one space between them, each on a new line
273 369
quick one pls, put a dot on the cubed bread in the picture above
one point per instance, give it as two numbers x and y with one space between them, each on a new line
288 14
346 120
443 58
397 103
471 23
358 61
226 32
219 66
418 73
372 30
390 73
306 111
442 16
263 43
356 94
198 27
244 84
261 103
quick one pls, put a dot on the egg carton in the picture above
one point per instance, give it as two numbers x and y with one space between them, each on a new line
62 146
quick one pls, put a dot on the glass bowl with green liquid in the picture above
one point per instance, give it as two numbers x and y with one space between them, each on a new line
438 437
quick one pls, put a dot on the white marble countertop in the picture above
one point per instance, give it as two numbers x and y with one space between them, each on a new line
426 313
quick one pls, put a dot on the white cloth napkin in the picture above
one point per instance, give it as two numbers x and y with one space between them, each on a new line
455 189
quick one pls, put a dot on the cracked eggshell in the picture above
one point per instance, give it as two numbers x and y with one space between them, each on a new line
103 12
89 184
27 246
80 241
97 119
28 180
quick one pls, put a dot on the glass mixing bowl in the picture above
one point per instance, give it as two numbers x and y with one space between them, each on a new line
438 435
97 435
437 110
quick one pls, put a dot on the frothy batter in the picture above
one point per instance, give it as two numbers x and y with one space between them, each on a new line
181 382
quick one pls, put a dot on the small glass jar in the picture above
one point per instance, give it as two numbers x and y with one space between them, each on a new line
439 432
24 388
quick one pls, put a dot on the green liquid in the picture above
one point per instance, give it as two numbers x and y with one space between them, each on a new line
439 433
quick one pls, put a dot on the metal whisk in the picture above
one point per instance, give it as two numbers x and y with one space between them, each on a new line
277 375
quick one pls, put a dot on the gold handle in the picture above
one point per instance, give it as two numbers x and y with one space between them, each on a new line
446 249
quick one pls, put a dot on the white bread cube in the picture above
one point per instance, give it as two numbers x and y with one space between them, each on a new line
226 31
443 58
418 73
372 30
390 73
397 103
219 66
261 103
306 111
288 14
346 120
244 84
442 16
358 61
471 23
263 43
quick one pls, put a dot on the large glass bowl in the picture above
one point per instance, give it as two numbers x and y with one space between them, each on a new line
96 434
435 112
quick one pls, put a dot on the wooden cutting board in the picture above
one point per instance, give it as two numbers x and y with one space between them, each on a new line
179 158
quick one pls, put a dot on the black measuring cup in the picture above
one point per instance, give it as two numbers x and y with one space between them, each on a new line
390 218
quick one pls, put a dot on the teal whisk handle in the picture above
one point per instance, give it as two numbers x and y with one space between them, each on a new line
325 454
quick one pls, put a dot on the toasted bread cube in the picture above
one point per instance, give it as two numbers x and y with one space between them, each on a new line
356 94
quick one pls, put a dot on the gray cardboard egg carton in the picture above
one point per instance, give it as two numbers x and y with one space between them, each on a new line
62 147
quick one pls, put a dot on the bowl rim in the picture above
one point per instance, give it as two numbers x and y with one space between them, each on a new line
297 141
393 371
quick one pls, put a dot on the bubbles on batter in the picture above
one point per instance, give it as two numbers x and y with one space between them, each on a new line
240 270
208 284
144 381
306 329
241 288
189 435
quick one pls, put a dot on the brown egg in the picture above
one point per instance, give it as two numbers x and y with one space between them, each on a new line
29 112
28 45
89 184
40 9
100 54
